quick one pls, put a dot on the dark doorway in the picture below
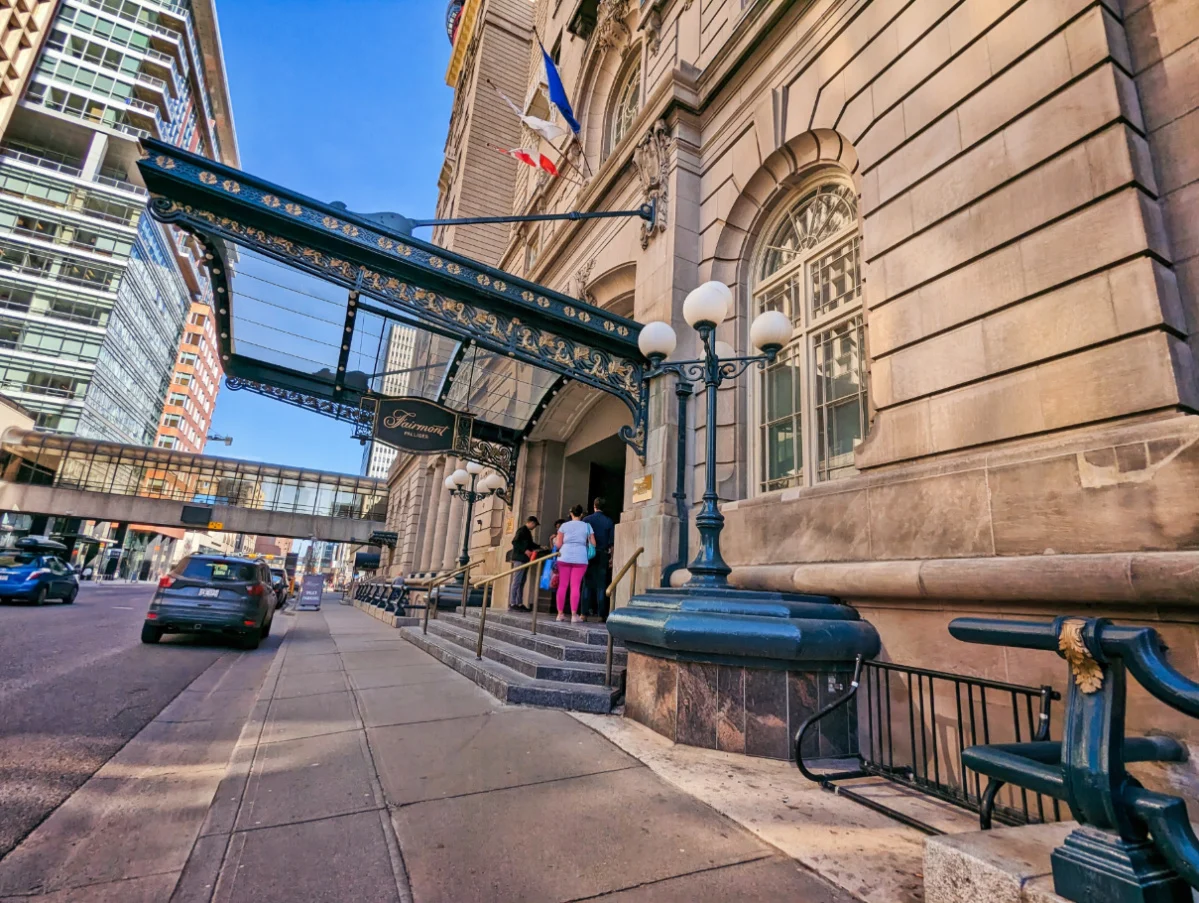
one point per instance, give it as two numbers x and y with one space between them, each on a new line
608 484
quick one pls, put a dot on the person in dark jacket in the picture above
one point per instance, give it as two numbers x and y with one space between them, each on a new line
522 544
599 569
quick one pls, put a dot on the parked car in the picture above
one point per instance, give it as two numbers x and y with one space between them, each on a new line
282 586
33 571
213 594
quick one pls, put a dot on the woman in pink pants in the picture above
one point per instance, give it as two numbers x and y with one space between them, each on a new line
573 538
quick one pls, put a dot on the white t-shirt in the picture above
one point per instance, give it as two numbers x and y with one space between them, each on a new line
574 549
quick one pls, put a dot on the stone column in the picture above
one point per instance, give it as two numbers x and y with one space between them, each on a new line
457 522
429 526
444 505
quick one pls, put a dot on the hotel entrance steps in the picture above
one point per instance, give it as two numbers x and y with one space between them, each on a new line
564 669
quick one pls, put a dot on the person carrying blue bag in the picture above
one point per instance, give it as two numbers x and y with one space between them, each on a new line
549 572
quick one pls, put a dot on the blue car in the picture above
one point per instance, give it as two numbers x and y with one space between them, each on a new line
34 572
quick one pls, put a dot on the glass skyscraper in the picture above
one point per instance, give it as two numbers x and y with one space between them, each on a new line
94 295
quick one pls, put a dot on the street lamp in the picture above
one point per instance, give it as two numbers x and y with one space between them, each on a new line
704 309
456 483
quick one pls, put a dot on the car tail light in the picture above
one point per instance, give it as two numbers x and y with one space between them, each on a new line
151 616
250 623
166 582
256 589
40 572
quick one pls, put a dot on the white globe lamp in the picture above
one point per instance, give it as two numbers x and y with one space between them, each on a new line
450 484
770 331
707 305
460 477
474 468
492 482
657 341
725 351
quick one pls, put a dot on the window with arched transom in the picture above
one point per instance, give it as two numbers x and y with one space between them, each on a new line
626 104
811 405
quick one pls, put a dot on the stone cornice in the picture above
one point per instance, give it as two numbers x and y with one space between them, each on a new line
466 30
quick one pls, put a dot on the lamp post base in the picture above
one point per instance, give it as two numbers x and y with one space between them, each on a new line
1097 865
759 628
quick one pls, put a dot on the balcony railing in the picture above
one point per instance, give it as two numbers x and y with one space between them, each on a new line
8 153
152 81
41 162
121 184
61 107
47 272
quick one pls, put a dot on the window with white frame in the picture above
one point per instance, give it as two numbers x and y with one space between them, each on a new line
626 106
811 405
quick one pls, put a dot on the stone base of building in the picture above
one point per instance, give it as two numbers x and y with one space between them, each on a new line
389 618
1009 865
755 711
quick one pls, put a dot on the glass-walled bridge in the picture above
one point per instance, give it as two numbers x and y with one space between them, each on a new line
84 478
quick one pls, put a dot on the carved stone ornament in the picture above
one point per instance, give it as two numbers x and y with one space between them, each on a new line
610 27
1088 674
581 278
652 26
652 159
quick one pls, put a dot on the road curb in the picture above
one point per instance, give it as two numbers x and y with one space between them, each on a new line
198 881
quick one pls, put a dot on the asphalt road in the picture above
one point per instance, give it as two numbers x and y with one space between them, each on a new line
76 683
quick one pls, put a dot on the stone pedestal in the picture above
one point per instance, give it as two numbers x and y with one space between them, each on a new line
755 711
740 671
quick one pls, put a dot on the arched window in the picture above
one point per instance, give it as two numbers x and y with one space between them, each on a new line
626 106
811 407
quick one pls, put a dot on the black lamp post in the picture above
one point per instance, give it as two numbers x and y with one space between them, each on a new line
456 483
704 309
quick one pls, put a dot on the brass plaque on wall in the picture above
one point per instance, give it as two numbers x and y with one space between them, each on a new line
643 488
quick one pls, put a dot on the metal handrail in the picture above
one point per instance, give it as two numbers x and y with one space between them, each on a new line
611 594
488 585
442 581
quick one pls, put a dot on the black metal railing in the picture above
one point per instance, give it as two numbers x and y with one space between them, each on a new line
914 723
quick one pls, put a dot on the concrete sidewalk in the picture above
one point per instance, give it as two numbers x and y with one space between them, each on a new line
376 773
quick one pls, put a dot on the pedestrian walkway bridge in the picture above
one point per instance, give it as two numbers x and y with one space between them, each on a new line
42 473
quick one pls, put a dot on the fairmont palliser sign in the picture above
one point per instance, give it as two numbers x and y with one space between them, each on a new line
416 425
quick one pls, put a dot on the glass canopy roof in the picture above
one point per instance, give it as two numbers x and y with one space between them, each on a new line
293 320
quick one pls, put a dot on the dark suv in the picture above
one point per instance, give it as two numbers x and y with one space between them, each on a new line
213 594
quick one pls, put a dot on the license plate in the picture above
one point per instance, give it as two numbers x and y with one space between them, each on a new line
210 593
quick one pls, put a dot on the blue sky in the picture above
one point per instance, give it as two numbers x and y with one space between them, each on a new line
341 100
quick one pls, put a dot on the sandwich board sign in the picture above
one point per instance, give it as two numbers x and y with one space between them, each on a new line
311 591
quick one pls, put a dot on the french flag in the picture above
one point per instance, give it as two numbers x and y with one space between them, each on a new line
557 92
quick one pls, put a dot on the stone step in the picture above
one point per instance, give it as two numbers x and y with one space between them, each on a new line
589 633
527 662
511 686
554 647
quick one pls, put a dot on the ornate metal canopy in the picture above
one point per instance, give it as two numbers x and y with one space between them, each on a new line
471 319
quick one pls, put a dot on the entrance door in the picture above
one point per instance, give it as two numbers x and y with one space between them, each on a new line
596 471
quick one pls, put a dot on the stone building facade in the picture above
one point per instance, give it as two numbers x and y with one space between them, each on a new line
981 216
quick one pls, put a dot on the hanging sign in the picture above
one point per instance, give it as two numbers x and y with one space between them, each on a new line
417 425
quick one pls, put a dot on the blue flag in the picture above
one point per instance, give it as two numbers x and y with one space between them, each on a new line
557 92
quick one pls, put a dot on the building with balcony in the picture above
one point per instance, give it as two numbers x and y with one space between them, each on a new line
94 297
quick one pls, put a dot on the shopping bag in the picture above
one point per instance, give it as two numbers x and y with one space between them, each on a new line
547 574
